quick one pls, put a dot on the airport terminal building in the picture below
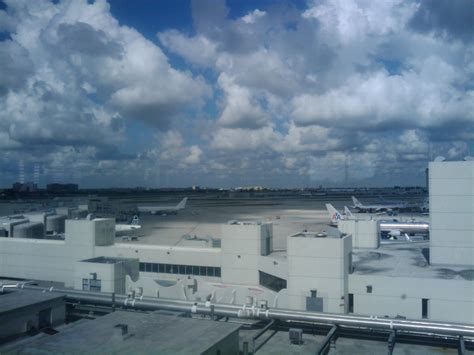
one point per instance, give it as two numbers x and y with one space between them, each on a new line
339 271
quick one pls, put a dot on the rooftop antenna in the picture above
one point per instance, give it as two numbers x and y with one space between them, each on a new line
21 171
36 174
346 172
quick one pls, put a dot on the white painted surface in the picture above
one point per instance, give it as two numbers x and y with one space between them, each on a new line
318 264
452 213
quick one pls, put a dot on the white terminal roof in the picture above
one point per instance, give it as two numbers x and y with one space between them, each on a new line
405 260
245 223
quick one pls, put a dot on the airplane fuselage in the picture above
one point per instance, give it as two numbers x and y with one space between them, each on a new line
157 210
163 210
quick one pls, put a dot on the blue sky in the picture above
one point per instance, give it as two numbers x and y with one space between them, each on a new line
230 93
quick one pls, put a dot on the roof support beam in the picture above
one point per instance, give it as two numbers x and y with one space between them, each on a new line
327 340
392 339
461 346
260 333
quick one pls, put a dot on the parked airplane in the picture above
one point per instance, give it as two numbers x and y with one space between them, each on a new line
384 201
163 209
398 228
412 206
335 215
377 207
125 229
393 228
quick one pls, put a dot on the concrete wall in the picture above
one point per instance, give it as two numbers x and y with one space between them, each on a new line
165 255
111 275
274 266
452 212
104 233
365 233
10 225
39 218
37 259
29 230
449 300
320 264
242 245
56 223
54 260
80 238
227 345
22 320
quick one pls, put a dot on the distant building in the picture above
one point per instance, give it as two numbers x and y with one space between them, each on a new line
62 187
24 187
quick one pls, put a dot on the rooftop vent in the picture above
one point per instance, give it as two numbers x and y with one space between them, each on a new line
120 331
296 336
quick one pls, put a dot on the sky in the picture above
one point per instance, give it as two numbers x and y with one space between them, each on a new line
234 93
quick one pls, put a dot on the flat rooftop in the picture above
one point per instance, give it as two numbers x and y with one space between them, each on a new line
245 223
331 233
13 301
279 255
147 333
105 260
405 260
279 343
203 219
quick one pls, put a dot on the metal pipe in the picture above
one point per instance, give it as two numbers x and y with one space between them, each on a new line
253 312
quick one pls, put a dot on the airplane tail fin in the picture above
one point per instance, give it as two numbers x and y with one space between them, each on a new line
135 221
182 204
348 212
334 214
356 201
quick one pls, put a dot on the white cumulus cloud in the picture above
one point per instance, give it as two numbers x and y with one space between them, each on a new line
253 16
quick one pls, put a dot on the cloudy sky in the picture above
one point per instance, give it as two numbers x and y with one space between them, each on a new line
216 93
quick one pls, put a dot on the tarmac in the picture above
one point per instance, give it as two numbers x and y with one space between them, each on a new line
202 218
